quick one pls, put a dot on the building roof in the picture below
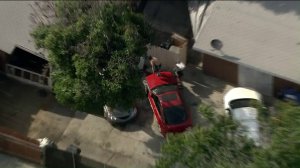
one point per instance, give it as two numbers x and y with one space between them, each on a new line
260 34
17 20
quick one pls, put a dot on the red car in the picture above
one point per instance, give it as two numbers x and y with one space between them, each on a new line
166 101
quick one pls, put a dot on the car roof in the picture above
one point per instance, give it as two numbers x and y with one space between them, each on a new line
247 116
164 78
240 93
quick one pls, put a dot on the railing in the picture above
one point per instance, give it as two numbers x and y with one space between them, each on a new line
28 76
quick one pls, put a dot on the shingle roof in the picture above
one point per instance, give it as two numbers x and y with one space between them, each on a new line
263 34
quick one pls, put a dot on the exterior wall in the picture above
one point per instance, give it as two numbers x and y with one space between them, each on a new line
281 83
169 57
261 82
220 68
244 76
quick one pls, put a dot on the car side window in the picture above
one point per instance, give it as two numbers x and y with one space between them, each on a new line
157 103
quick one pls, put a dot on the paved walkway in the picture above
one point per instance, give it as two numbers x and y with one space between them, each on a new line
7 161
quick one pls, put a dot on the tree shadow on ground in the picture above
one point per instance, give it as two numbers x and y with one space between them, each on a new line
279 7
19 103
32 111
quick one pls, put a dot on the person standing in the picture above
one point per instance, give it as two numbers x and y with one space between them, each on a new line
155 64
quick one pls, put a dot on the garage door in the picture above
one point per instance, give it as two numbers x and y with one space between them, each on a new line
220 68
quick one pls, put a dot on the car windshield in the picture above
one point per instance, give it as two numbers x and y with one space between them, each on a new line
164 88
243 103
169 97
174 115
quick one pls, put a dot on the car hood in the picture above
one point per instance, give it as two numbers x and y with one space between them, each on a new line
247 117
240 93
164 78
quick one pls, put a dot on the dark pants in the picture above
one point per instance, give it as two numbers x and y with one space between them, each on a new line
157 68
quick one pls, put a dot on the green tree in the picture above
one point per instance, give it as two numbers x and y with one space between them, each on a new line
284 149
94 48
216 145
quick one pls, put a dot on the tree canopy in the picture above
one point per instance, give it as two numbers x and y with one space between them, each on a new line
93 50
216 146
284 148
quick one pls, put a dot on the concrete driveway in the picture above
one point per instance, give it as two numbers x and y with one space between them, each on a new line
200 88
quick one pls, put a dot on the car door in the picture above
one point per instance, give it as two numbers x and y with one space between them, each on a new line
157 109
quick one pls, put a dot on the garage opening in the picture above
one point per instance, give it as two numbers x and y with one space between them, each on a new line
28 61
28 67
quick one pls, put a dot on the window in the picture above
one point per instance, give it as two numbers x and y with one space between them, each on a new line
169 97
175 115
164 88
157 103
243 103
